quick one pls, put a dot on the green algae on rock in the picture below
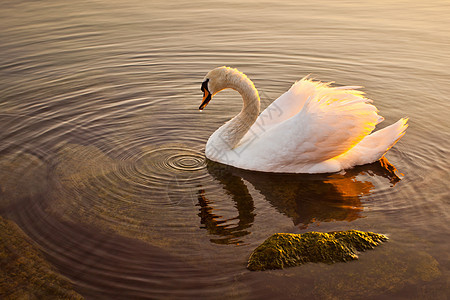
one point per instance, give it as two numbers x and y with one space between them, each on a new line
287 250
24 273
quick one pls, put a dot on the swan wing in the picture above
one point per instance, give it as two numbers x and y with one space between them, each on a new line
284 107
331 121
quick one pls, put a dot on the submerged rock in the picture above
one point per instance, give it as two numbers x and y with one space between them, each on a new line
24 273
287 250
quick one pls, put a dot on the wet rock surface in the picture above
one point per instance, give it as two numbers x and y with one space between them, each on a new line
287 250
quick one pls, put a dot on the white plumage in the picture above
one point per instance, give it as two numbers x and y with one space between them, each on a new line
312 128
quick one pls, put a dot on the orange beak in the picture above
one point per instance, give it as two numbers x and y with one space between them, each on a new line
206 96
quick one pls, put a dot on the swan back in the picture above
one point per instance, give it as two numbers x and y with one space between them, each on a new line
316 123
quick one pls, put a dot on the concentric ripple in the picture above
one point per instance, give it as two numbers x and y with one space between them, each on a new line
168 159
184 162
157 168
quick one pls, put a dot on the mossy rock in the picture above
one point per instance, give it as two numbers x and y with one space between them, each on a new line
287 250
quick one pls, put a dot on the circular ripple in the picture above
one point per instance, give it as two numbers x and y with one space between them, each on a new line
168 159
165 161
186 162
162 168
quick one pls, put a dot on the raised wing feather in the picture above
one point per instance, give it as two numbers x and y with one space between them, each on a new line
284 107
322 122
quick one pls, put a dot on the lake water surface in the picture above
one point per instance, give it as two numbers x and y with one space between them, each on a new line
102 144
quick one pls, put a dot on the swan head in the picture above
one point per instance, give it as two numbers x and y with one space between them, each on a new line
215 81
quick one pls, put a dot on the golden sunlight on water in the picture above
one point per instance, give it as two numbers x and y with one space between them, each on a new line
102 160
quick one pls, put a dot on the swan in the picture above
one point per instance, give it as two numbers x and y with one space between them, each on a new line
311 128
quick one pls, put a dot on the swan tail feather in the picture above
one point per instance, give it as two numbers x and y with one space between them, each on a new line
375 145
336 119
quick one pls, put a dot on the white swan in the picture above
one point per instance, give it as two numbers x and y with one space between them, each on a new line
312 128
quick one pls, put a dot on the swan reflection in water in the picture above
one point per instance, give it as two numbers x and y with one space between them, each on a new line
306 199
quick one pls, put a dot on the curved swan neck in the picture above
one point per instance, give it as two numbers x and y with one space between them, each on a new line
237 127
244 86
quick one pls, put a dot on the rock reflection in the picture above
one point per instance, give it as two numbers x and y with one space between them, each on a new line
304 198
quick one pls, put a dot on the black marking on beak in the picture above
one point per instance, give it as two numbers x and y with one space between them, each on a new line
206 95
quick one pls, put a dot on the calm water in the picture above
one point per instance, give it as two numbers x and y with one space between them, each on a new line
101 152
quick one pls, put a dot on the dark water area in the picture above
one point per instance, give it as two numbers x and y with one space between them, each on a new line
102 145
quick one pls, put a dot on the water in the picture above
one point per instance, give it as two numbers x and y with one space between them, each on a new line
101 153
